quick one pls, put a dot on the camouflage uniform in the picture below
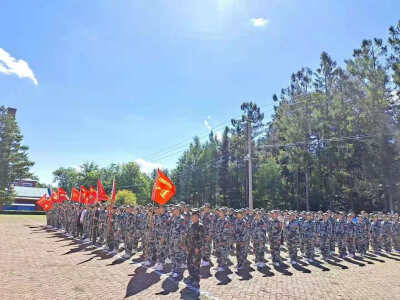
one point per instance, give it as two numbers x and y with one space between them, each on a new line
258 235
331 235
95 223
396 235
223 228
178 229
207 220
350 237
194 243
376 232
301 221
274 233
324 228
241 234
129 232
161 236
149 250
307 229
340 235
387 232
292 229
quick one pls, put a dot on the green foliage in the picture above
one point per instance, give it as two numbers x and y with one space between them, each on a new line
127 176
333 141
125 197
14 160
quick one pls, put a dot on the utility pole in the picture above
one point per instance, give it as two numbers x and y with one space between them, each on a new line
308 175
250 164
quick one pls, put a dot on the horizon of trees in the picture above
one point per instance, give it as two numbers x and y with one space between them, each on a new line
332 143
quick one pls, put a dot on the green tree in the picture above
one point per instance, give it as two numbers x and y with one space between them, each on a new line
125 197
14 160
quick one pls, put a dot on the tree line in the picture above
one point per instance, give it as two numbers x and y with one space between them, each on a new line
332 141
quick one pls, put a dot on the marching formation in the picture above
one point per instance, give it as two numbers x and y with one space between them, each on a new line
188 237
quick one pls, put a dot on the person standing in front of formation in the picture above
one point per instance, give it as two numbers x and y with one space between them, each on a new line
194 243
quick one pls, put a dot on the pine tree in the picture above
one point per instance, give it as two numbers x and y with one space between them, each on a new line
14 161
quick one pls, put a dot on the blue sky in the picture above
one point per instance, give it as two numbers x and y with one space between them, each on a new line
124 80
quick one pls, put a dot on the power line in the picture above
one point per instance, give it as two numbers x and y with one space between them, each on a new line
166 154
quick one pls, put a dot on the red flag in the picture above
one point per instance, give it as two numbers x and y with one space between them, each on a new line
101 194
92 195
54 197
62 195
75 195
48 204
45 203
163 189
42 200
84 195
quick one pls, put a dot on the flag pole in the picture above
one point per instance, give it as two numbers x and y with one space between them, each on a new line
152 209
110 207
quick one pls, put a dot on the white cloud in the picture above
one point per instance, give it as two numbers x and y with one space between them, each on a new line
259 22
9 65
146 166
207 124
219 134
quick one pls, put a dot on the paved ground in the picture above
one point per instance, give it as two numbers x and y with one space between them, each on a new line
43 264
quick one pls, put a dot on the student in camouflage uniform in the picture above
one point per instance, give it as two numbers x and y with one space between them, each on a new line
350 235
178 229
331 233
396 233
274 234
340 234
387 232
95 223
241 235
324 229
207 219
149 252
258 236
223 228
194 243
161 235
129 225
308 230
301 221
376 232
292 229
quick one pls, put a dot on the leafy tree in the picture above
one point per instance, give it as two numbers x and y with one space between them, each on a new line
125 197
14 160
127 176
